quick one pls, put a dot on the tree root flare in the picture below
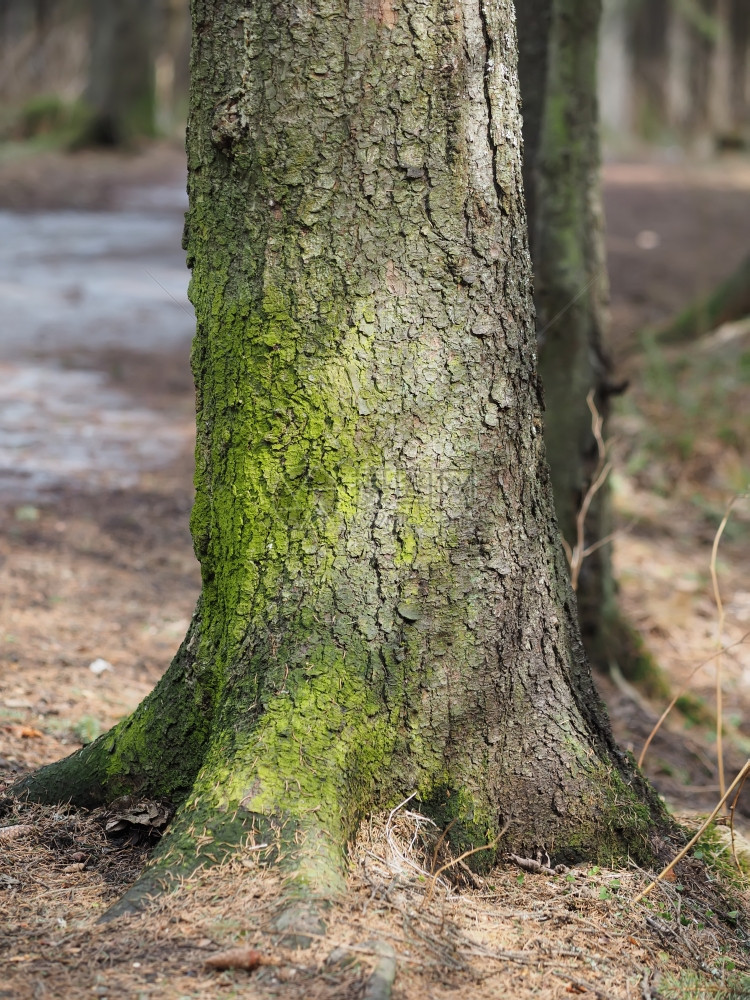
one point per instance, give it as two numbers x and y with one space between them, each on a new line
380 984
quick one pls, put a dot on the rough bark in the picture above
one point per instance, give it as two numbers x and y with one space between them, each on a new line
557 66
120 90
385 607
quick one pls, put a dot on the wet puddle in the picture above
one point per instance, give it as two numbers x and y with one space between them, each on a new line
60 427
76 284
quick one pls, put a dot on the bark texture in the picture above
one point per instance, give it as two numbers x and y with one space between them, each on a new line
385 605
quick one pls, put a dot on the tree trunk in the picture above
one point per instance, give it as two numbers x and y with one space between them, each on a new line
171 65
557 65
649 49
385 606
120 91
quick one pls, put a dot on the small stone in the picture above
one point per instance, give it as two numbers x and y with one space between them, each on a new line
98 666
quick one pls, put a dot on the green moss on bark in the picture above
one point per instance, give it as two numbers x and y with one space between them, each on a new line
176 718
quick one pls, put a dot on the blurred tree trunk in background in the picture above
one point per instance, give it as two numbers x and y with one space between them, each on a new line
686 77
41 48
739 75
647 39
557 68
172 61
121 85
126 61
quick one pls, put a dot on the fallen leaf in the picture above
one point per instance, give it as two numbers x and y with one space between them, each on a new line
29 733
129 816
238 958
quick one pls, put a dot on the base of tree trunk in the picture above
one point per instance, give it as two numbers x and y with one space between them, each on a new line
299 809
175 717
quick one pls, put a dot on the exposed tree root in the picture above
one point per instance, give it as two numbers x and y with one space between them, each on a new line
380 983
175 718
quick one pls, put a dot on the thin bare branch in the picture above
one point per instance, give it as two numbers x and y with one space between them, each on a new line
678 857
682 691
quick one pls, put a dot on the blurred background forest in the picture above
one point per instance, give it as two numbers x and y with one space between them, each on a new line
96 406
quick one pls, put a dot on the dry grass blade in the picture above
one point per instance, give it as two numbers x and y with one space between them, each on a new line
739 780
439 844
682 691
458 860
719 659
579 551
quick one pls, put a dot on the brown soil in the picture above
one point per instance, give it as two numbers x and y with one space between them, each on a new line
513 933
90 574
700 215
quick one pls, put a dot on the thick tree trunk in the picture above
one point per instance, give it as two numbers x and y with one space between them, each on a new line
557 65
385 604
120 91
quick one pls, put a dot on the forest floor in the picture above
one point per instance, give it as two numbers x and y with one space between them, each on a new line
99 581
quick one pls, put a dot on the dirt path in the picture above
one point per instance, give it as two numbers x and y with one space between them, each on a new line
674 231
96 437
